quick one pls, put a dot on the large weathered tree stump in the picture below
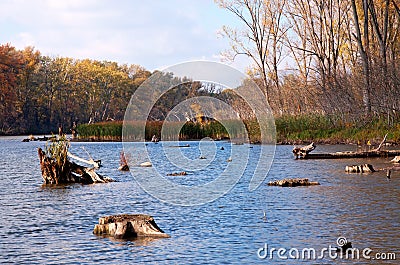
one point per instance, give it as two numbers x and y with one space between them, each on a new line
127 226
64 171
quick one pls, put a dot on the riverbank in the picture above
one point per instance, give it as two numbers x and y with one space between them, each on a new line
289 130
325 130
292 130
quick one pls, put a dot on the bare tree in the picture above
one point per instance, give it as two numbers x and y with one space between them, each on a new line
261 37
362 39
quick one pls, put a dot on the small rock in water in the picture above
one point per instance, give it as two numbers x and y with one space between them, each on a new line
183 173
146 164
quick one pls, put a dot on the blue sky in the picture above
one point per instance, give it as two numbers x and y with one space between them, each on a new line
154 34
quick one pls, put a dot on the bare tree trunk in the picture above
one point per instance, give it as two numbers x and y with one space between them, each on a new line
364 51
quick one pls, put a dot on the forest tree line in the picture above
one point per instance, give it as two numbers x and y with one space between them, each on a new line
39 94
339 57
336 58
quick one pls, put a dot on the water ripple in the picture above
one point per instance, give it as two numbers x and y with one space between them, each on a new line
53 224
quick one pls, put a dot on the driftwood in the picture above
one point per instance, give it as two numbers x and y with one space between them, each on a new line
350 154
293 182
381 144
54 172
366 168
95 163
183 173
302 152
396 159
44 138
127 226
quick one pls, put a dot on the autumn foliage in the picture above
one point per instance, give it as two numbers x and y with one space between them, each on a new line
39 93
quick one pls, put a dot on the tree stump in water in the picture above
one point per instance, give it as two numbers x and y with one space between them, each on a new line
302 152
128 226
62 171
123 162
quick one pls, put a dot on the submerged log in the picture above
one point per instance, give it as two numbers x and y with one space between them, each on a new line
304 152
65 171
127 226
146 164
293 182
350 154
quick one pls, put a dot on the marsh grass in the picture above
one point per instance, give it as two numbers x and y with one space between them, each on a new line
57 150
289 129
320 128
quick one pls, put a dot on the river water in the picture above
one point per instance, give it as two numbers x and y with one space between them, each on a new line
53 225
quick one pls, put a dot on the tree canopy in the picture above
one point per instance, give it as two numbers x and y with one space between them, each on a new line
39 93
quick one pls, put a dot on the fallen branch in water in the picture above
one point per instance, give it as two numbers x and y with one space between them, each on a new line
381 144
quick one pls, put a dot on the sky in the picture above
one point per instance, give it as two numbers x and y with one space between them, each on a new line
154 34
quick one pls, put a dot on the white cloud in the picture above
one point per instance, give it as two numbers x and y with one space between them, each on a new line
151 34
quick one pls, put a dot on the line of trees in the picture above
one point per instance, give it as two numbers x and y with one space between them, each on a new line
39 93
339 58
325 56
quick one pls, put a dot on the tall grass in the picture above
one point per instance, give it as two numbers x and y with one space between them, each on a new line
134 130
289 129
57 151
320 128
104 131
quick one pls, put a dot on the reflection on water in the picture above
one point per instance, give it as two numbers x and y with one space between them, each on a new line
53 224
134 242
